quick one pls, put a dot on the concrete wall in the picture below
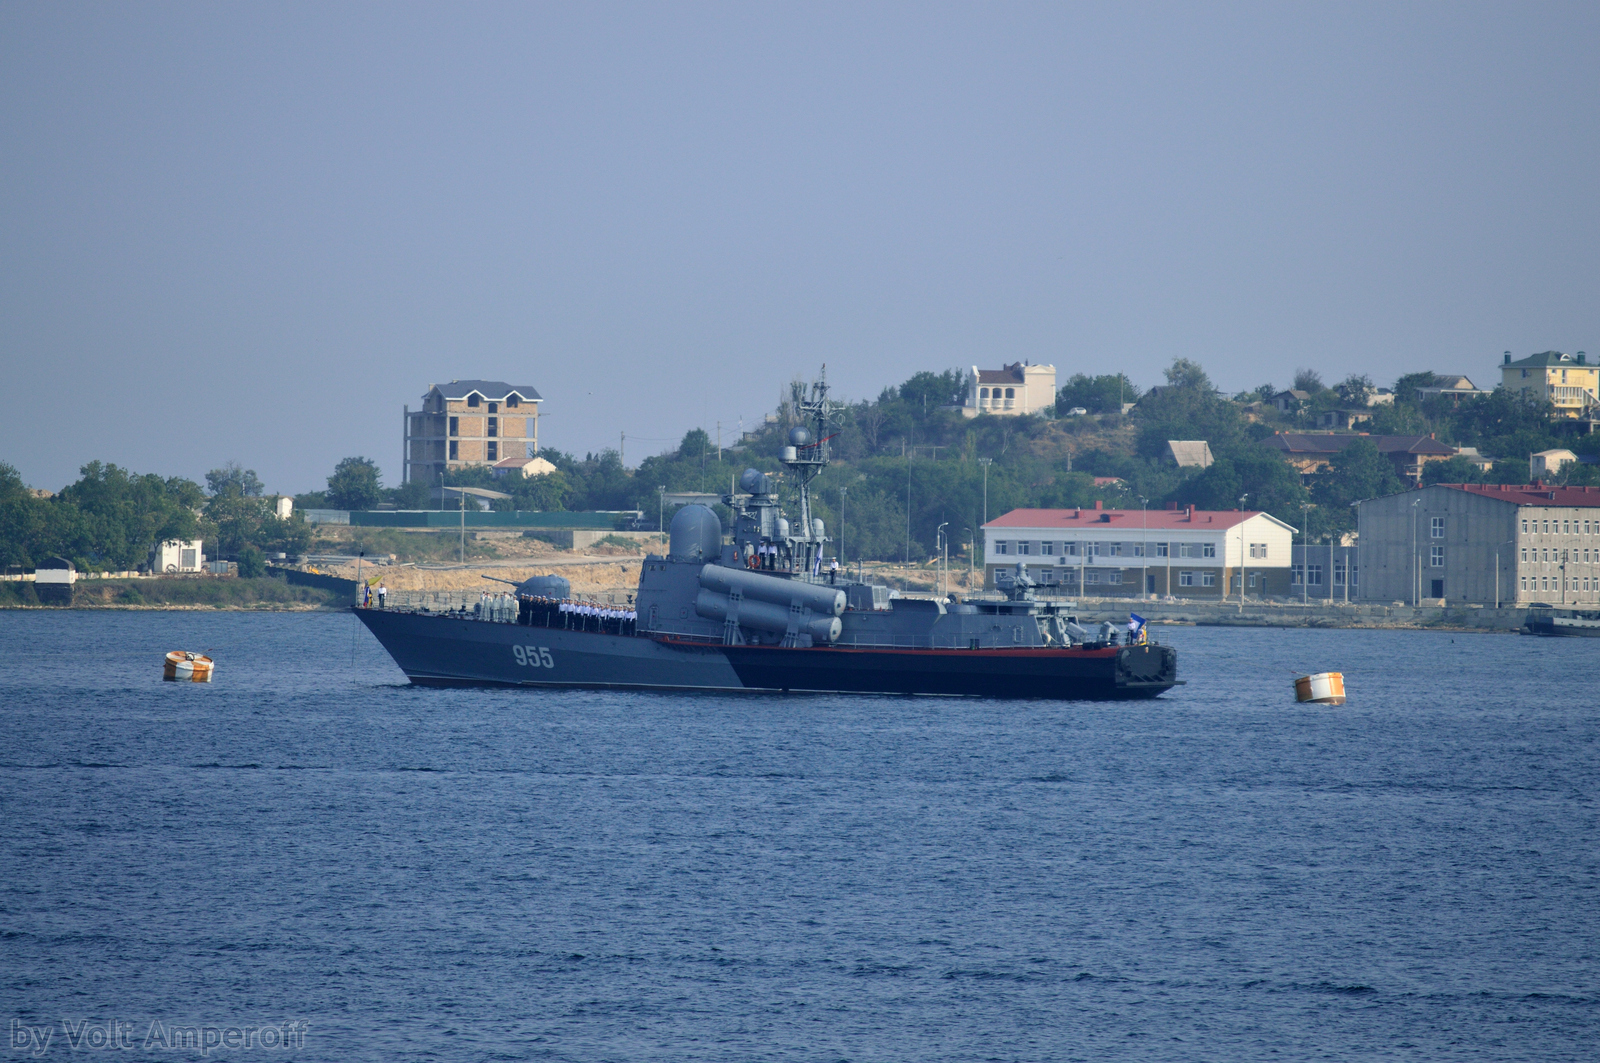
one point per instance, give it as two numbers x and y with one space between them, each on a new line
1475 529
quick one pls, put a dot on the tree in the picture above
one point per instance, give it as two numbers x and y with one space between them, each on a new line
1307 380
354 484
1099 394
1187 375
124 515
927 390
1405 389
1357 472
1269 481
235 480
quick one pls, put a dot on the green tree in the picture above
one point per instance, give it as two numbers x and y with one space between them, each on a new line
125 514
1099 394
927 390
235 480
1269 483
1183 373
354 484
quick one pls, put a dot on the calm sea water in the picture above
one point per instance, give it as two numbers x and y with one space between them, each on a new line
471 875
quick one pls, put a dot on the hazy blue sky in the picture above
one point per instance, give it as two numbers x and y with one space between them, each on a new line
255 231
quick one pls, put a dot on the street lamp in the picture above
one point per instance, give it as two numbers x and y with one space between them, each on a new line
986 462
1416 562
661 509
1144 546
1242 551
1305 554
943 543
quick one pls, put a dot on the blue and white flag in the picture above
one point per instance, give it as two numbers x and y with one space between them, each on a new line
1135 622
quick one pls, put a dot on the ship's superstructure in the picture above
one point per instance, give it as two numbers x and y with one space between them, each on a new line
765 608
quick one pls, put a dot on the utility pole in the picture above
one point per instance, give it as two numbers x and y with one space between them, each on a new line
622 451
719 442
1144 546
908 454
1416 564
661 509
986 462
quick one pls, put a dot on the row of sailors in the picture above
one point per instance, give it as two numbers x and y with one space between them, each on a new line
500 608
579 615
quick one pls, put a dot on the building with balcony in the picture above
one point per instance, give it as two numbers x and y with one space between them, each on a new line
1013 390
1483 544
1184 553
469 423
1569 384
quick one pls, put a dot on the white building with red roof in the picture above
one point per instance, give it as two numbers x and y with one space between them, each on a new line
1182 552
1487 544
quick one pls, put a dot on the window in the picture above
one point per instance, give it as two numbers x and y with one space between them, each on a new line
494 407
1048 549
1114 577
453 446
1436 528
1161 549
512 402
1011 393
1524 527
1002 547
1258 551
494 451
1091 577
1524 582
1208 549
1436 557
455 427
1070 548
1208 579
1524 555
1338 573
472 400
1547 527
1138 549
1186 579
1255 576
1024 547
1116 549
1186 549
983 393
494 426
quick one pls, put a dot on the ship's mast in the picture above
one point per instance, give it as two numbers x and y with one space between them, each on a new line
807 455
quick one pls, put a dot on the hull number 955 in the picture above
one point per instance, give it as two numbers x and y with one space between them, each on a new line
533 656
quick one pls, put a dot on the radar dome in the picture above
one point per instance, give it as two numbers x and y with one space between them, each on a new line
753 481
799 436
696 535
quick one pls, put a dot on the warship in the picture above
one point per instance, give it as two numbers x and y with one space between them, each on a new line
764 606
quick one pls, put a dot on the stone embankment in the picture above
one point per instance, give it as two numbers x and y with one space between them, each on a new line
1315 614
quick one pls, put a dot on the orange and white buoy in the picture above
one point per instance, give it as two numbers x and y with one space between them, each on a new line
181 664
1323 688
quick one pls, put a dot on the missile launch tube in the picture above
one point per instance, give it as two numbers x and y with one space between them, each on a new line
828 601
764 616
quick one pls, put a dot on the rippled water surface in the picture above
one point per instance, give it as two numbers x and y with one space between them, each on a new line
466 874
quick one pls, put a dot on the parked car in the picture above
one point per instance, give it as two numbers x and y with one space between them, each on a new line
1077 411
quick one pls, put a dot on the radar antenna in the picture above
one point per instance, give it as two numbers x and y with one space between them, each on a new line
807 454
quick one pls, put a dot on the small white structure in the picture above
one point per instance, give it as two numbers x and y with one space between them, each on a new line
525 468
283 507
1549 462
53 580
177 555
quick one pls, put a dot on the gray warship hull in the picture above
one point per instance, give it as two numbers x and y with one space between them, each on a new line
443 649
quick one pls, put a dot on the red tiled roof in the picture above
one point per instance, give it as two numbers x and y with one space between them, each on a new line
1129 519
1533 494
1312 443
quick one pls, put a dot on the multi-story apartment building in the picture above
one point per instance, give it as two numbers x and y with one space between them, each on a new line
1569 384
1186 553
470 422
1010 391
1482 543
